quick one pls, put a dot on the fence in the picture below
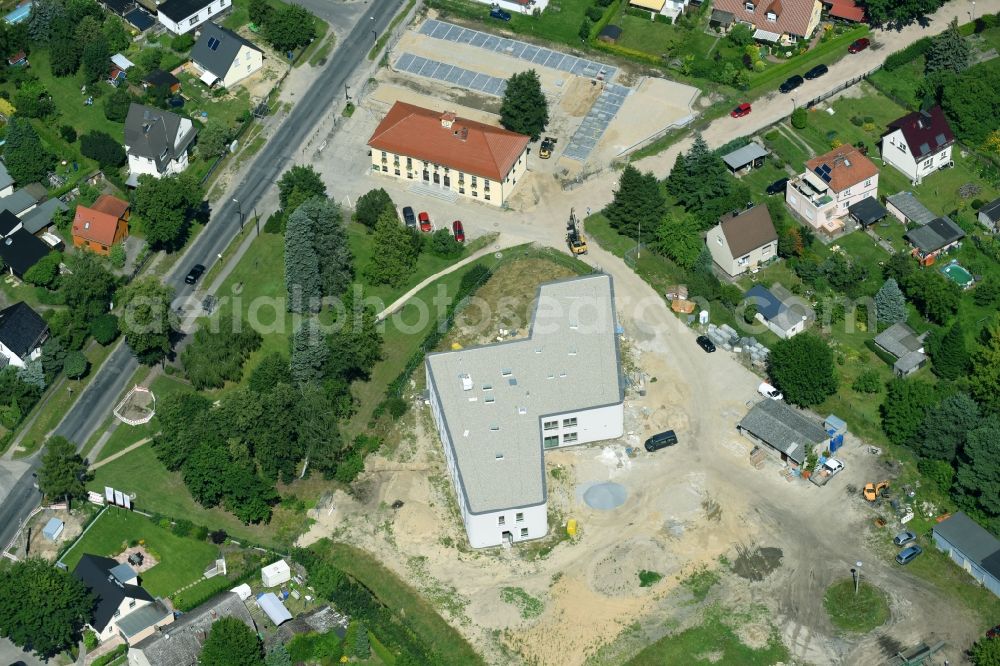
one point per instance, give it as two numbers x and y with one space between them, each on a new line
843 86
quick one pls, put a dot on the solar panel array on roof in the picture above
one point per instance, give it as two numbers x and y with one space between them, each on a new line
823 171
213 43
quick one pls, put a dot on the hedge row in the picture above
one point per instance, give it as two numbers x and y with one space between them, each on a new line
910 53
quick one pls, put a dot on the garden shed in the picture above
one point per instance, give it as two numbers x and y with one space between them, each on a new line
275 574
610 34
273 608
53 529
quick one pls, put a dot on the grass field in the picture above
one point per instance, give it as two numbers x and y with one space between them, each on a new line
711 642
856 613
406 602
181 560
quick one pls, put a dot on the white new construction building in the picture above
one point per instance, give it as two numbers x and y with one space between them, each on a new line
498 407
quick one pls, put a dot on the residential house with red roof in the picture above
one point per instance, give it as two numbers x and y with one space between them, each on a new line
100 226
776 21
831 183
845 10
918 144
470 158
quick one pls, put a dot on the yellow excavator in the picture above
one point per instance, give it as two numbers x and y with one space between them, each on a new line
873 491
574 237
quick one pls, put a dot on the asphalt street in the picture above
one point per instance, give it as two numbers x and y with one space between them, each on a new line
96 402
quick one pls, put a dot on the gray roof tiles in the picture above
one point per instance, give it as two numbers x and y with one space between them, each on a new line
216 49
783 428
153 134
899 340
569 362
910 207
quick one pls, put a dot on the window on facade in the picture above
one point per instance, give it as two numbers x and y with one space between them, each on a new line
473 181
383 154
474 193
519 517
131 603
487 196
569 437
551 441
550 425
524 532
397 172
501 520
118 612
385 168
409 162
743 261
928 162
868 182
569 423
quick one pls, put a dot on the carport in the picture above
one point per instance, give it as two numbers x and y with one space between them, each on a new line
867 212
750 156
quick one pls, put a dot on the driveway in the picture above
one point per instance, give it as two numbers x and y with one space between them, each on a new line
11 654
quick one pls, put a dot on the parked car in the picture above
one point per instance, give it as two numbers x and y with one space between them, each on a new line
409 218
904 538
909 554
817 71
661 441
705 343
769 391
778 186
499 14
791 84
458 230
740 111
196 272
425 221
859 45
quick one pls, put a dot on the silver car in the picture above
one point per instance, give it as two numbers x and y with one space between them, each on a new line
904 538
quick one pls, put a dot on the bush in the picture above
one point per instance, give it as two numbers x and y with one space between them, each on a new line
443 244
662 18
349 468
857 121
45 271
218 536
910 53
182 43
800 118
396 407
867 382
585 29
68 133
117 255
89 639
977 204
182 527
275 223
594 13
200 532
104 329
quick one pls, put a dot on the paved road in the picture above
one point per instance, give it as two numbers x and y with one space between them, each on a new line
341 14
94 405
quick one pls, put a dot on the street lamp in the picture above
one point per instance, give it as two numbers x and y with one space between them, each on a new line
374 34
347 97
638 241
856 572
239 207
973 10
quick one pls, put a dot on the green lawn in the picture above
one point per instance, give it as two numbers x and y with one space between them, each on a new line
903 82
181 560
158 490
777 141
404 601
856 613
711 642
650 37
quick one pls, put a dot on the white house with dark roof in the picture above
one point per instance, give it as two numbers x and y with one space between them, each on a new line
6 182
119 595
918 144
22 332
181 16
221 55
499 407
156 141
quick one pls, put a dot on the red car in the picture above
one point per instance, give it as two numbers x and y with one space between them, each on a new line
858 45
425 221
456 228
740 111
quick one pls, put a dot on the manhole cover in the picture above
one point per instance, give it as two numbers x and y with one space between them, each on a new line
605 496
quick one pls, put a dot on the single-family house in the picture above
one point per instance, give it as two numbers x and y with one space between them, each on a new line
747 158
221 55
473 159
181 16
119 595
845 10
775 21
902 343
780 310
22 333
180 643
918 144
970 547
160 78
934 239
102 225
743 241
907 209
22 200
156 141
782 428
20 250
6 182
867 212
831 183
989 215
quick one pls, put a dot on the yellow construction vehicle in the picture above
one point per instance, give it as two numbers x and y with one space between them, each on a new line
574 237
548 145
872 491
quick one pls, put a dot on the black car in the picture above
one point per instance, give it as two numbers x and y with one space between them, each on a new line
705 343
817 71
409 218
791 84
661 441
777 187
500 14
196 272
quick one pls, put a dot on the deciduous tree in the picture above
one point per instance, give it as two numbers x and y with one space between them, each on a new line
986 652
289 28
95 59
272 370
679 237
116 105
231 643
298 184
26 160
164 206
75 365
214 139
62 472
802 367
42 608
102 147
524 108
146 320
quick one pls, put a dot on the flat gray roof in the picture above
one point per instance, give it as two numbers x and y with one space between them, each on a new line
909 206
569 362
743 156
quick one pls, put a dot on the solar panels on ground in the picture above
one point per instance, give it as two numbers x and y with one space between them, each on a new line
594 124
464 78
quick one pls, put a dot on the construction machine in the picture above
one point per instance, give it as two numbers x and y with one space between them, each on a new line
548 145
574 237
872 491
